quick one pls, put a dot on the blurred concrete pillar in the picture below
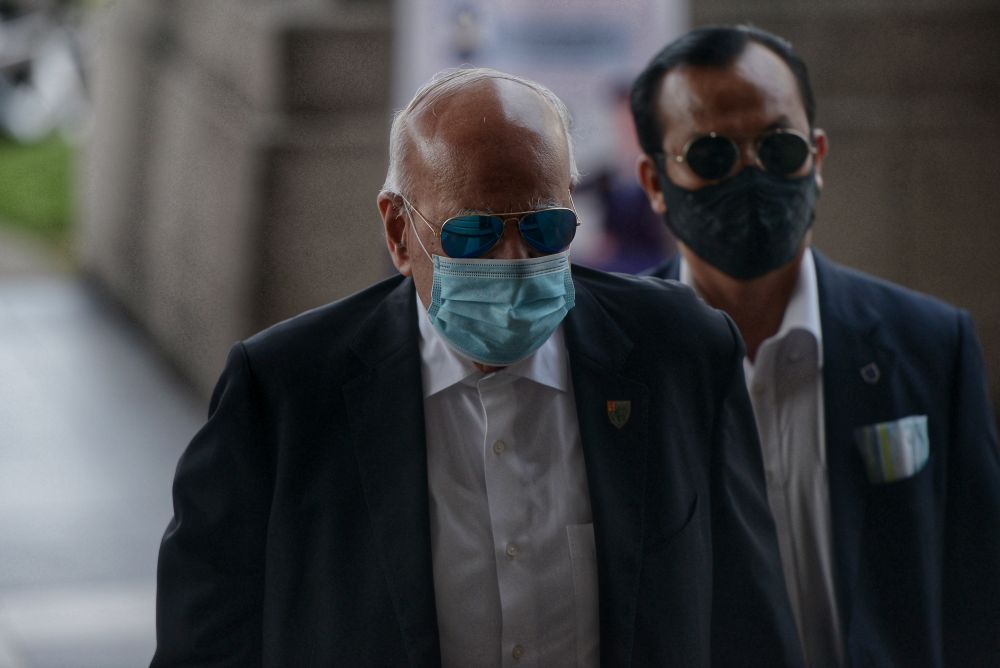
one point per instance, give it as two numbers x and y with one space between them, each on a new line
112 185
908 93
267 147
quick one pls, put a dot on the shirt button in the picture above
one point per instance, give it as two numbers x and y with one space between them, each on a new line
499 447
517 652
512 551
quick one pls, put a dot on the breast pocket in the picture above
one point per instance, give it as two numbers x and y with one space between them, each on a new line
894 450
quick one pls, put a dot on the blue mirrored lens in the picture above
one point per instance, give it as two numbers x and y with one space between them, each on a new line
549 231
470 236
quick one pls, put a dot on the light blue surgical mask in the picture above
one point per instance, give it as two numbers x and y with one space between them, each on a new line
497 311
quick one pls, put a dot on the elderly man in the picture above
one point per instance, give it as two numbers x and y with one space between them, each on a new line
489 460
879 445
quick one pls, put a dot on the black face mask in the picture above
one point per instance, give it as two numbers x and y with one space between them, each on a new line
745 226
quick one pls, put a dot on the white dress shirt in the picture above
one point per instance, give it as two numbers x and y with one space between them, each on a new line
786 389
512 538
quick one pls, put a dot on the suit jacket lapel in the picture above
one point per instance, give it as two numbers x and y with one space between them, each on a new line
857 368
852 343
387 424
388 429
615 459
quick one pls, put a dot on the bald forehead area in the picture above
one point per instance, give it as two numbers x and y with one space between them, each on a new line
497 142
757 88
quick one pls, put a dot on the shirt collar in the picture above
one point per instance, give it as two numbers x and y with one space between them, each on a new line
802 311
442 366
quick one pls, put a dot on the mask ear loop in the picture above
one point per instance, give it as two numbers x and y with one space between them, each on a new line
421 243
410 210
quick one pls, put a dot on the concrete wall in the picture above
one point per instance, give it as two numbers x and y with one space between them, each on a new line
239 147
908 92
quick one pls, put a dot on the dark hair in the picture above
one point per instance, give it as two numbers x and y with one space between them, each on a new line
714 46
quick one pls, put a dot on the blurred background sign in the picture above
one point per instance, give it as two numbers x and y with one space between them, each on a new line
588 53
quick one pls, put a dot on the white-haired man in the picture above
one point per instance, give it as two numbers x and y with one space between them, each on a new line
491 459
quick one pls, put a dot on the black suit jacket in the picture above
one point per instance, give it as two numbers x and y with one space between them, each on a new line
917 560
301 536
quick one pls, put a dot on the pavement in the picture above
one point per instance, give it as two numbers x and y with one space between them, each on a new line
92 421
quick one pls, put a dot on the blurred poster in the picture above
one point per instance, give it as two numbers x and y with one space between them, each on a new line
588 52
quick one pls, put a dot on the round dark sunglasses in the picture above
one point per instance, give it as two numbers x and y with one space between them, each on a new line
471 235
712 157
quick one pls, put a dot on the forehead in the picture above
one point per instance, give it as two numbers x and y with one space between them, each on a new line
497 145
757 91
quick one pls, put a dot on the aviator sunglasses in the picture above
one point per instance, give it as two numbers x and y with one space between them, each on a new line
712 157
472 235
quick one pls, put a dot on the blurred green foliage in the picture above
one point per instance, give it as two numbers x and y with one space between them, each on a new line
35 186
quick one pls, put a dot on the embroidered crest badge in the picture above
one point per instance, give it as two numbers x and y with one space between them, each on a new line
870 373
619 412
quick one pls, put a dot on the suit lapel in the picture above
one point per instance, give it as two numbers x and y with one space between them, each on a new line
615 454
857 369
387 425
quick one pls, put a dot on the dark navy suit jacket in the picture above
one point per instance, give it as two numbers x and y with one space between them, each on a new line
917 560
301 534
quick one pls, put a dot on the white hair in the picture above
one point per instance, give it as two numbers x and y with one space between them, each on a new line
442 84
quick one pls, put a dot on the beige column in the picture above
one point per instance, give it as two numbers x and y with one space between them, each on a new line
261 144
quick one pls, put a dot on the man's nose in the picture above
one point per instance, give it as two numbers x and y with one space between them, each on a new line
748 156
511 246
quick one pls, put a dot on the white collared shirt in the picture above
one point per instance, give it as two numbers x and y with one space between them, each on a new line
512 538
786 389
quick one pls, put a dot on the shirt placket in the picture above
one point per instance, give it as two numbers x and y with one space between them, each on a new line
764 397
508 491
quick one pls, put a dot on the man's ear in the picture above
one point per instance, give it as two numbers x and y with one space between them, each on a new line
390 206
822 145
649 179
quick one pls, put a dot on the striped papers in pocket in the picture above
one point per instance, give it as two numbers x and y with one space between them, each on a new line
894 450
